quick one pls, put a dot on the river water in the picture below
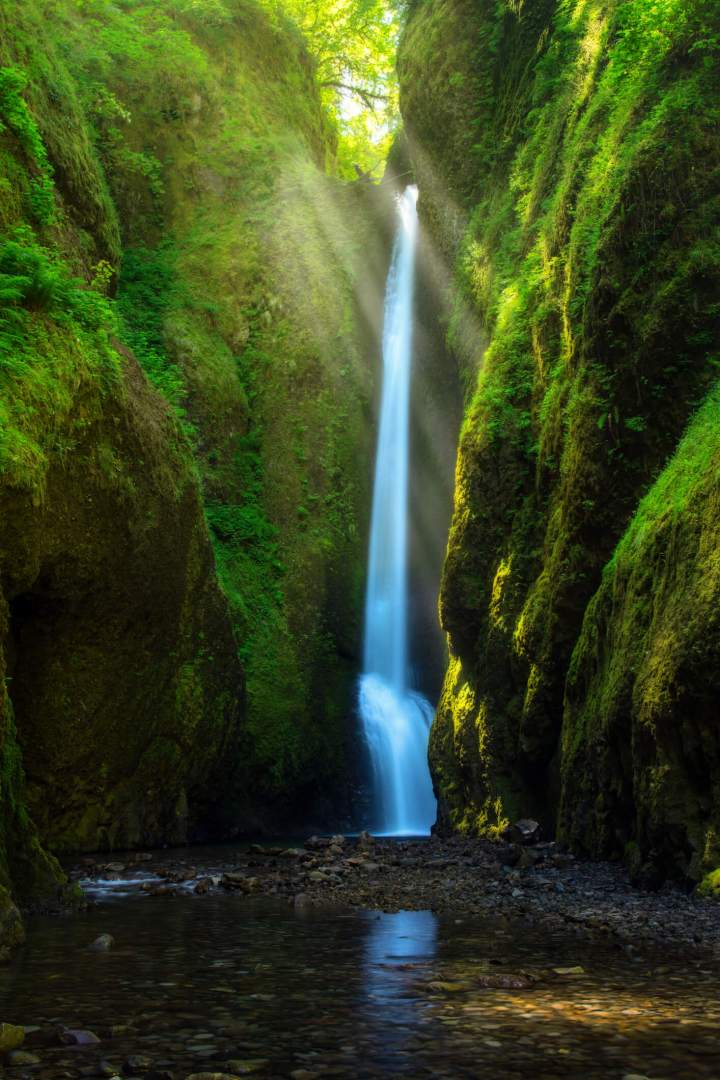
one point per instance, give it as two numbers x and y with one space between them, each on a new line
225 983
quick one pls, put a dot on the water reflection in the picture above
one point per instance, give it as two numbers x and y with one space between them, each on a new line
399 948
199 983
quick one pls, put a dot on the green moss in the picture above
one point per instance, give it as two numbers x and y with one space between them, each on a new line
243 315
571 173
236 295
644 665
709 887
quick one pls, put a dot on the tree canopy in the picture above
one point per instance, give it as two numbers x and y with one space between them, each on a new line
353 43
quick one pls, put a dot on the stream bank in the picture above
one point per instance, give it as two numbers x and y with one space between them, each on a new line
541 885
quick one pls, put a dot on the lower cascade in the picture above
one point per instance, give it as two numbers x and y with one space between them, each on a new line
395 718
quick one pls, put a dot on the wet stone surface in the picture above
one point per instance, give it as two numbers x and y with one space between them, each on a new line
539 883
233 982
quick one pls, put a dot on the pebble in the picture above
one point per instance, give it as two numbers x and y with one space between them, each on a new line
137 1063
102 943
77 1037
22 1057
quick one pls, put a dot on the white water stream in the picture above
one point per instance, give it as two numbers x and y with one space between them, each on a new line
396 719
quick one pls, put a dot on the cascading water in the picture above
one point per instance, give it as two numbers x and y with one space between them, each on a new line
396 719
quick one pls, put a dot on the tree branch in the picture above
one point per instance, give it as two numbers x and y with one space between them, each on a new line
369 97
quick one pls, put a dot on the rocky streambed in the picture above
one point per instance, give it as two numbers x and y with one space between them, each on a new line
365 958
535 882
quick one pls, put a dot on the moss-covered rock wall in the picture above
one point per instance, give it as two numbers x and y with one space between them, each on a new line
122 691
568 158
188 304
250 286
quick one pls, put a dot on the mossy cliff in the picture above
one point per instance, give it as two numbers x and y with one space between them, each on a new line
568 156
240 293
185 358
122 690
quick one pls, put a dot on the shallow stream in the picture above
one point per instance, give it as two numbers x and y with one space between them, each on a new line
225 983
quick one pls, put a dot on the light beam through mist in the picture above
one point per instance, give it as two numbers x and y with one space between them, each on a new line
395 719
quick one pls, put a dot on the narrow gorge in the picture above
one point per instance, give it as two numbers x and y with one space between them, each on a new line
359 538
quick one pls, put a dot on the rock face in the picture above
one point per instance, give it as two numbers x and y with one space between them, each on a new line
186 369
187 356
122 667
572 182
249 287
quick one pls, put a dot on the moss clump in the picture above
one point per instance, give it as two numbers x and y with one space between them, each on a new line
709 887
575 185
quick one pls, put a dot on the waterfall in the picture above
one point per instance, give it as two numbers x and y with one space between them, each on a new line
395 719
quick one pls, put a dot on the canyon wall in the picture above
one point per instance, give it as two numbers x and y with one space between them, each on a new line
568 159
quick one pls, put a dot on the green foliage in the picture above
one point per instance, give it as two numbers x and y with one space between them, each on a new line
15 115
33 279
207 118
146 290
353 44
55 333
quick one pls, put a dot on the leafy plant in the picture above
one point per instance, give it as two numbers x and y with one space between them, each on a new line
15 115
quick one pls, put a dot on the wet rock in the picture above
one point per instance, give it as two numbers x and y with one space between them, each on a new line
447 987
137 1063
105 1068
203 886
77 1037
239 881
301 900
524 831
21 1057
242 1066
215 1076
500 981
11 1036
317 843
528 857
102 943
233 879
365 841
510 856
178 875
